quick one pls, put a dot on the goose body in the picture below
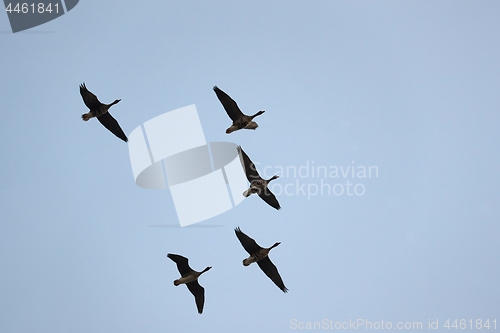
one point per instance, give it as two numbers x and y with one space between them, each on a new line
240 120
100 111
260 255
257 184
189 277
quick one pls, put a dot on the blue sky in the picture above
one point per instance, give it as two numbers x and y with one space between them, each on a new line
409 87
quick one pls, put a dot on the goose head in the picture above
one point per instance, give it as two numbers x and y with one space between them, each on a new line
273 178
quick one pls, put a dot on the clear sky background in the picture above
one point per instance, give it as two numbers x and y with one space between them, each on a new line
410 87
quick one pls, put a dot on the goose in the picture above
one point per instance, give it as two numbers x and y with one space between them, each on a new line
189 277
100 110
259 255
239 119
257 184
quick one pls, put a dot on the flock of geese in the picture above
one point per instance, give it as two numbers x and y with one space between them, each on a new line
258 185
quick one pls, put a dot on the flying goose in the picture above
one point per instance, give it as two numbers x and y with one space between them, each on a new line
257 184
233 111
260 255
189 277
100 110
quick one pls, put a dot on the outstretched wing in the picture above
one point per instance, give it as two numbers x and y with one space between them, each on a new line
89 98
272 272
269 197
248 243
182 263
198 293
112 125
232 109
250 169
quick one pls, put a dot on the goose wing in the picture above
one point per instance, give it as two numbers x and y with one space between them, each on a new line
269 197
112 125
272 272
250 169
198 293
247 242
89 98
232 109
182 263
